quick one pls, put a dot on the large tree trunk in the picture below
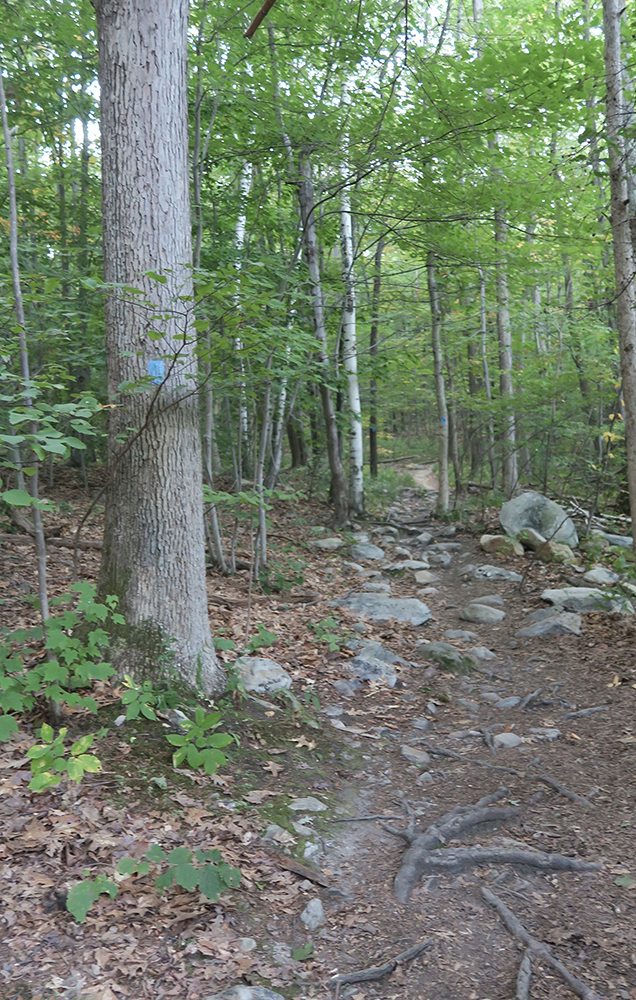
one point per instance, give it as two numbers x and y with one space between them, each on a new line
624 262
440 392
153 557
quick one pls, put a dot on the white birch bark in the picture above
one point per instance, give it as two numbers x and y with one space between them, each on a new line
153 556
624 258
245 186
440 392
350 352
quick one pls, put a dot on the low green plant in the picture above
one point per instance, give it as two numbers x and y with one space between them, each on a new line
202 870
139 699
75 641
327 631
262 639
282 574
199 745
50 759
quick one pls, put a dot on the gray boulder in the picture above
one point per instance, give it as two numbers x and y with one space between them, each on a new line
380 608
622 541
482 614
501 543
588 599
534 510
488 572
425 538
482 653
328 544
600 576
415 756
365 550
563 623
373 663
313 915
445 656
531 539
507 740
261 675
376 588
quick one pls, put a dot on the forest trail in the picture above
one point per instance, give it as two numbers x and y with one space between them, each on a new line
424 477
294 810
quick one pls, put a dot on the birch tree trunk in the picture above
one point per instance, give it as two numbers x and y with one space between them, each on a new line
440 393
624 258
350 356
153 555
339 492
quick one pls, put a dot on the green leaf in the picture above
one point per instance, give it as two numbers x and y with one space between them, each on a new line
156 854
17 498
90 763
47 733
161 278
625 880
165 881
74 769
210 883
40 782
220 740
179 856
304 952
229 875
127 866
143 868
8 725
82 896
160 782
82 745
187 876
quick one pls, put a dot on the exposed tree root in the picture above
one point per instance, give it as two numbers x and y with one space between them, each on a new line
439 752
379 971
562 790
523 977
519 932
459 859
586 711
451 825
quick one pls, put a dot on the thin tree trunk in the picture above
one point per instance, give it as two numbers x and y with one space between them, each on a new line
350 354
483 325
453 443
373 352
624 259
245 185
440 393
260 556
506 384
153 557
339 492
38 529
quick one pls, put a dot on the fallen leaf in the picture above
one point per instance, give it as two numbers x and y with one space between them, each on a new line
273 767
258 795
615 683
302 741
573 736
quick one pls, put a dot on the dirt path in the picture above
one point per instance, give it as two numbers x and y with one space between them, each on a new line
424 477
354 766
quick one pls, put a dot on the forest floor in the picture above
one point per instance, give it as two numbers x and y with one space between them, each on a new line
347 754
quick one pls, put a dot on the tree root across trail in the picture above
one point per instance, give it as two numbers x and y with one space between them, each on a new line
379 971
423 858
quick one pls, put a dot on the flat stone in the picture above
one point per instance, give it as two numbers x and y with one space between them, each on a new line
600 575
374 587
481 653
534 510
555 552
460 633
444 655
279 835
262 675
313 915
401 550
360 627
542 613
369 668
427 591
447 531
490 696
353 565
415 564
588 599
470 706
490 600
531 539
488 572
445 547
425 538
247 944
546 734
378 652
387 529
415 756
510 702
422 724
365 550
423 576
328 544
507 740
501 543
347 688
622 541
482 614
246 993
332 711
379 607
307 804
563 623
439 558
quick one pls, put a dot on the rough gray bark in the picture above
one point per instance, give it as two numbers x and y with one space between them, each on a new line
624 262
153 556
509 472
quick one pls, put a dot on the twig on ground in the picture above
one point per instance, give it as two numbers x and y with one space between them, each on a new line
562 790
523 978
379 971
449 826
437 751
529 698
586 711
460 859
540 949
362 819
488 740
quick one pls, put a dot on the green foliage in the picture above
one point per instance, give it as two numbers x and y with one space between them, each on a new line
263 638
139 699
327 631
50 760
75 640
82 896
200 746
281 573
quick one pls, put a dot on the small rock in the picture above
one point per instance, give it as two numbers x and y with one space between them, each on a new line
460 633
531 539
541 613
414 564
365 550
332 711
481 653
533 510
307 804
488 572
360 627
328 544
387 529
415 756
555 552
425 778
278 834
119 721
490 600
444 655
422 724
490 696
347 688
382 608
247 944
423 576
425 538
439 559
501 543
353 565
510 702
311 849
367 667
246 993
262 675
445 547
622 541
376 588
482 614
313 915
431 708
600 575
447 531
401 550
470 706
427 591
546 734
588 599
507 740
565 623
